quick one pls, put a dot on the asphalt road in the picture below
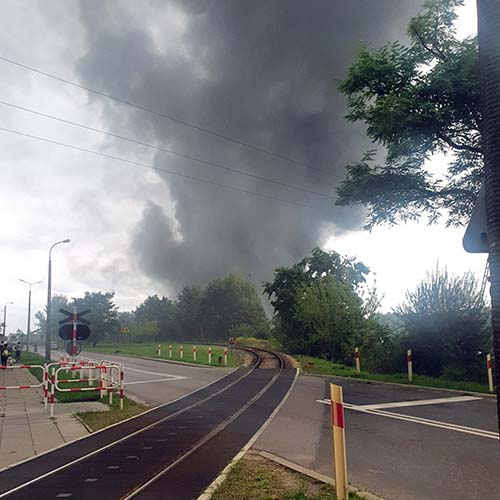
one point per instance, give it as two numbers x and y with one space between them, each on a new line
411 446
156 382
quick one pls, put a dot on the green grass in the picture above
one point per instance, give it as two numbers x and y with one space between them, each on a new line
256 478
149 351
96 420
320 366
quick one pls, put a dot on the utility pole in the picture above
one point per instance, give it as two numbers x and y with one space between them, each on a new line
5 318
489 72
28 329
49 301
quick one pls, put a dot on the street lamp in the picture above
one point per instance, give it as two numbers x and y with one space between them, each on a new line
29 310
49 300
5 317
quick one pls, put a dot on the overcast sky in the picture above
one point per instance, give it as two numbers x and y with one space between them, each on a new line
262 72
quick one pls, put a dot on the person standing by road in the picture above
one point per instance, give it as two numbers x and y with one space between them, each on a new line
18 348
4 353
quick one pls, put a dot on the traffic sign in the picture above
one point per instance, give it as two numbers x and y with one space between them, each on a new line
66 332
69 348
70 317
476 235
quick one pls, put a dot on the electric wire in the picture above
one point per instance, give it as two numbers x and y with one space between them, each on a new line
165 116
165 150
152 167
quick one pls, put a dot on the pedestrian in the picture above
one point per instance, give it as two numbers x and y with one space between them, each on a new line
4 354
18 350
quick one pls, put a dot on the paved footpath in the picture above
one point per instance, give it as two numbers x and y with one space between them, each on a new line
25 426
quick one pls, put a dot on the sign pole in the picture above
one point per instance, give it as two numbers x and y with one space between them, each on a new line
339 448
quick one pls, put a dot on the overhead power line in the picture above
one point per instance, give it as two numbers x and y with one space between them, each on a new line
166 150
152 167
166 116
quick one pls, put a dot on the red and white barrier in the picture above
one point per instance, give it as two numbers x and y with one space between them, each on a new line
225 356
181 352
356 359
490 373
194 353
409 360
209 355
32 386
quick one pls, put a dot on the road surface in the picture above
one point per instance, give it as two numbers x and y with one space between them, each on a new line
414 444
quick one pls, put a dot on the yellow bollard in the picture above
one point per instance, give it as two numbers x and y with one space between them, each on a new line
339 449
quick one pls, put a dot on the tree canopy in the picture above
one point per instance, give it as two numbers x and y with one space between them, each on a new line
416 100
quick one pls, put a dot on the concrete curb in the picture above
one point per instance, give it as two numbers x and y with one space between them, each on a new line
396 384
315 475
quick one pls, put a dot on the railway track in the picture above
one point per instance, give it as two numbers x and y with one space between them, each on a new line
174 451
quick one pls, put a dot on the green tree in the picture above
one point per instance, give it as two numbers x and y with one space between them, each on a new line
446 325
162 311
287 290
229 302
188 312
103 315
417 100
57 302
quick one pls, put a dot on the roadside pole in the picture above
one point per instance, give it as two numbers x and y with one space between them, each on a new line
489 75
209 355
194 353
170 351
158 350
356 358
409 360
225 356
181 352
339 448
490 372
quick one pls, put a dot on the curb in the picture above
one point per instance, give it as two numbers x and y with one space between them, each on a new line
408 386
316 475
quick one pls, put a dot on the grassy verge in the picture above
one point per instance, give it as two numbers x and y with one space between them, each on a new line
150 351
96 420
323 367
256 478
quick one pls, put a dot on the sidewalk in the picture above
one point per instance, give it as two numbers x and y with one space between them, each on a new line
25 427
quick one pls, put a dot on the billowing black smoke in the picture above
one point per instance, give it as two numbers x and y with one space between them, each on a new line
262 71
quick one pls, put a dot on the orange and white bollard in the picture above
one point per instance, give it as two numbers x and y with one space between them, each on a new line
194 353
339 448
409 360
490 373
209 355
225 356
181 352
122 376
356 359
170 351
158 350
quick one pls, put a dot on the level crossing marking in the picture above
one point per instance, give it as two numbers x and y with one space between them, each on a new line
154 380
126 368
419 420
419 402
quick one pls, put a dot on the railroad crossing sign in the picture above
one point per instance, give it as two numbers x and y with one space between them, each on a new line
74 328
73 349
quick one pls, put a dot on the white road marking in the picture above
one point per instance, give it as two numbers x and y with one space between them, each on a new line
419 402
127 369
154 380
90 480
113 467
418 420
64 495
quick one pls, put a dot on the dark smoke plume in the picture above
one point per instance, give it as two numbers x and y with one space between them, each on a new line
263 71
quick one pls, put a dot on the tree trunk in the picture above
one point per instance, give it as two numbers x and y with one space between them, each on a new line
489 60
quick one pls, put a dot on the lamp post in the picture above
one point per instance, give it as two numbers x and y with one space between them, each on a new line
5 317
49 300
29 310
